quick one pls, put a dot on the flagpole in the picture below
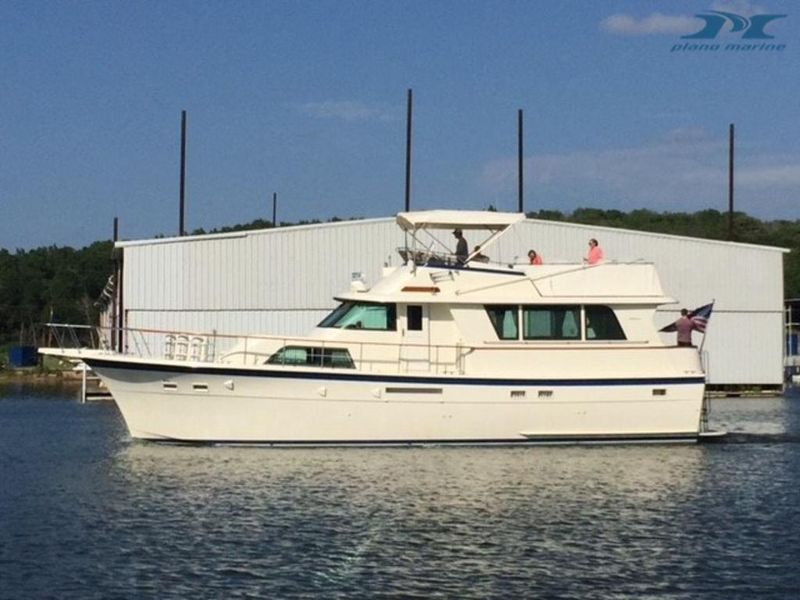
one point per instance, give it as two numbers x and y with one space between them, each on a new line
706 398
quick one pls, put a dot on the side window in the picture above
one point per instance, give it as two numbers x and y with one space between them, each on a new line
551 323
290 355
350 315
414 317
602 324
505 320
338 358
570 326
336 315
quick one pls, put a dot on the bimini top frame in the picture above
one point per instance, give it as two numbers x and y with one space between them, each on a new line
430 221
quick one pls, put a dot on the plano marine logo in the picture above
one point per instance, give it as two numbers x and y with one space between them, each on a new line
752 28
748 28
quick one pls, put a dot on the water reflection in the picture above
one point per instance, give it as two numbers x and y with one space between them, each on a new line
343 513
448 475
89 513
746 419
41 388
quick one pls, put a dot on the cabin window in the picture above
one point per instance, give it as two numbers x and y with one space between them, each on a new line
551 322
362 315
602 324
414 317
337 314
310 356
505 320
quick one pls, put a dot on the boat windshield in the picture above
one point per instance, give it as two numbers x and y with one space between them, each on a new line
362 315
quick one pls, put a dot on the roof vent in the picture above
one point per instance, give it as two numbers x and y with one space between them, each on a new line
357 283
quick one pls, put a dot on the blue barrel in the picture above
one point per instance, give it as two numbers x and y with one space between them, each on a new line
23 356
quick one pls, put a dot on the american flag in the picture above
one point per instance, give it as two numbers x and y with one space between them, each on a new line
700 316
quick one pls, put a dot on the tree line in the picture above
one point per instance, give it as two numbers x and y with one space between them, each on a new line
62 284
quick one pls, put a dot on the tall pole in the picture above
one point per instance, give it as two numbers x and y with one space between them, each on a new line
118 316
274 209
181 221
519 162
115 296
730 183
408 150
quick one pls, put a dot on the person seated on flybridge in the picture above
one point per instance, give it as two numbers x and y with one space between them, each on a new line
595 253
477 256
534 258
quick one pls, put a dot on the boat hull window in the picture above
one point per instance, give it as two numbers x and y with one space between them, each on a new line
505 320
602 324
310 356
363 315
551 322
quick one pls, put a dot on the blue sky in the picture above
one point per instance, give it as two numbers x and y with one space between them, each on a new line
307 99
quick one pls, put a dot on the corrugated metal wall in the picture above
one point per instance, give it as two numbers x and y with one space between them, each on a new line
745 336
278 281
282 281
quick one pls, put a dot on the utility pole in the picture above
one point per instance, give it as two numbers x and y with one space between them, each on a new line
181 221
409 108
730 182
520 169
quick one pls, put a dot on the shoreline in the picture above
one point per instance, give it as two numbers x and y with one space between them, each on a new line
37 377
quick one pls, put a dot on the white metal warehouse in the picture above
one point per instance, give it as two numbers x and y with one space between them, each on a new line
282 281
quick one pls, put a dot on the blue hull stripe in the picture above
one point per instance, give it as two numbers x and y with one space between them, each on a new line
336 375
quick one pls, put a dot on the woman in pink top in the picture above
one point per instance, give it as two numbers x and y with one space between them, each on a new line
595 253
534 258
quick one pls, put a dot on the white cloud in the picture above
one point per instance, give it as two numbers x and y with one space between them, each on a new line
655 24
661 24
682 135
778 175
685 169
348 110
739 7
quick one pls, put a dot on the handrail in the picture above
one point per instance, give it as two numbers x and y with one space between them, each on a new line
323 342
401 357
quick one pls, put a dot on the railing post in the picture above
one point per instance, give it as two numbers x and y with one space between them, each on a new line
146 345
83 382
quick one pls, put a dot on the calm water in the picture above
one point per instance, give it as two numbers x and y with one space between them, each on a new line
86 513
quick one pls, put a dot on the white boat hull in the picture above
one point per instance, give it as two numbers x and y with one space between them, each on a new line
439 350
203 403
